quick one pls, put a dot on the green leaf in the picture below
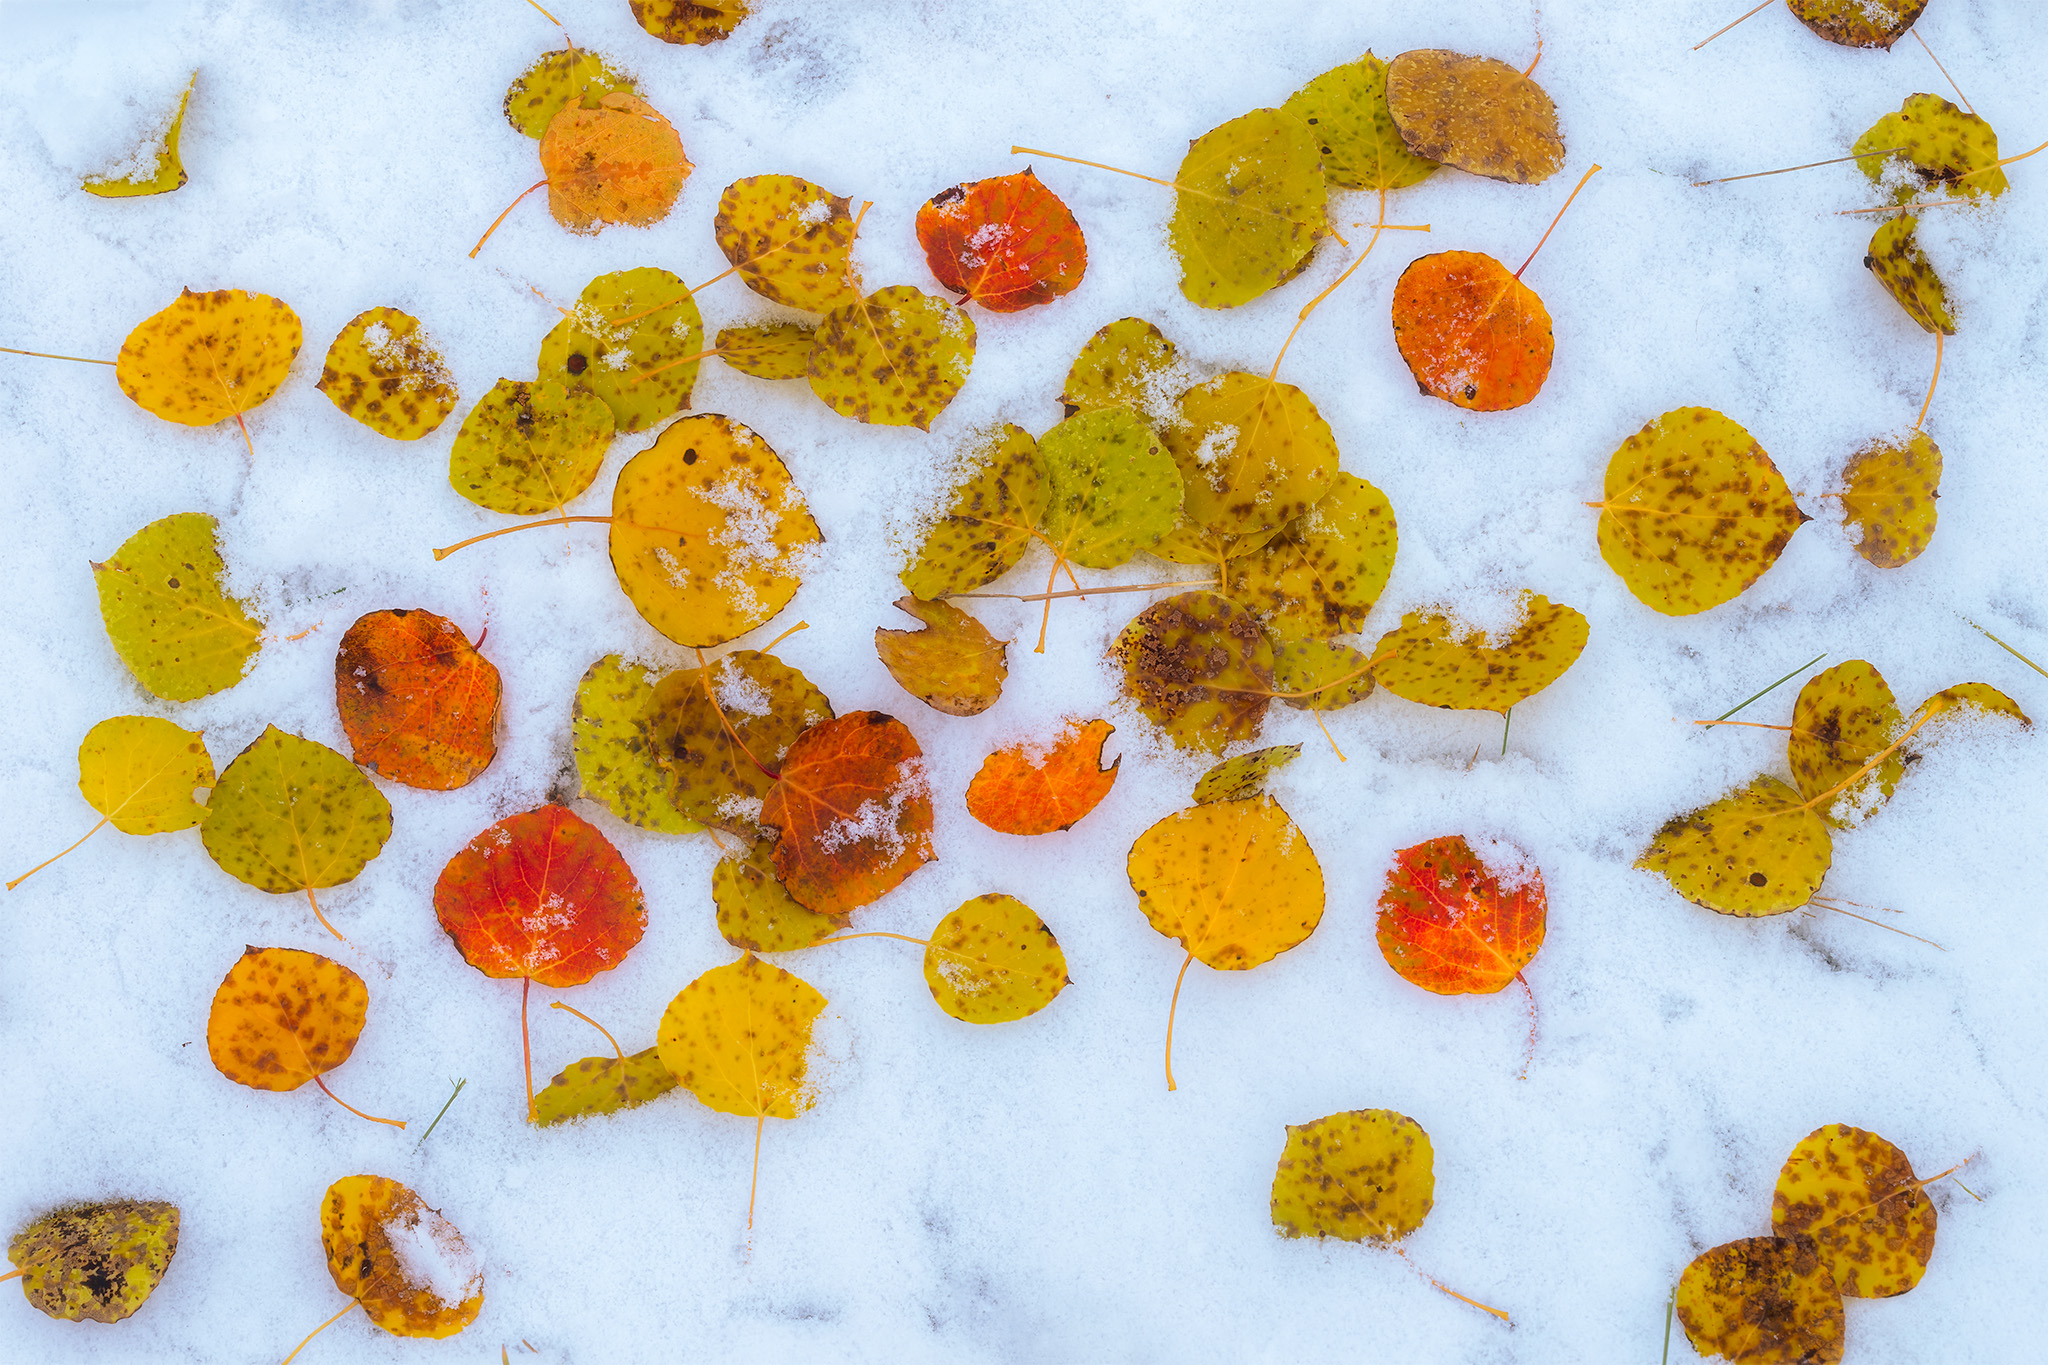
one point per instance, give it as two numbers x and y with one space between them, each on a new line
1243 777
167 613
529 448
292 815
894 358
1249 206
633 340
1346 109
611 735
1113 489
553 81
601 1085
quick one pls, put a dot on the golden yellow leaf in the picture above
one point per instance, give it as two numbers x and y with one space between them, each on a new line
1254 453
635 340
1938 146
791 241
1243 777
1844 718
529 448
384 372
281 1017
1128 363
993 961
1234 882
154 167
780 350
1323 571
1888 494
895 358
97 1262
1437 664
139 772
721 731
1762 1301
1908 276
1757 851
953 665
1365 1175
1476 113
168 614
602 1085
738 1038
402 1261
1856 1196
1978 697
690 21
1858 23
1320 675
556 80
756 912
209 357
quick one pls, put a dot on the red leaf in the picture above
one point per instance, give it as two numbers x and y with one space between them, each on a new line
854 811
1448 925
541 895
1006 243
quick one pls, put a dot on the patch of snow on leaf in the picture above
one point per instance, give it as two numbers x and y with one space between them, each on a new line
432 1255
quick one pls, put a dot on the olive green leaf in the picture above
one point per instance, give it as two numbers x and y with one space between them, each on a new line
1188 543
1908 276
1757 851
1128 363
996 506
1888 493
167 613
756 912
556 79
1324 570
1366 1175
96 1261
1112 490
1940 147
721 731
1346 109
776 350
1427 659
894 358
1243 777
602 1085
612 738
529 448
1249 206
635 340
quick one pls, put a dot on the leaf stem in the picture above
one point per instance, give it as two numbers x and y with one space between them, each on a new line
437 1118
1922 418
1084 592
624 1094
1173 185
876 933
1327 736
1310 306
352 1303
686 360
1444 1288
2004 646
395 1123
46 355
1172 1010
53 857
754 1181
704 677
315 903
526 1042
1827 903
1772 688
1560 214
545 15
447 550
501 218
14 1274
1725 27
1943 70
1783 170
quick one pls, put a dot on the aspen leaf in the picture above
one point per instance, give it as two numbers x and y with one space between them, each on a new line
282 1017
1756 851
1978 697
1189 543
1233 881
97 1262
167 612
1346 110
383 371
1845 717
738 1038
152 168
1323 571
402 1261
1200 668
1243 777
419 704
1364 1175
993 961
756 913
710 537
1007 243
854 812
1899 264
602 1085
1472 334
780 350
1128 363
1249 204
1112 490
1888 494
895 358
720 731
1858 23
529 448
541 895
690 21
292 815
1253 452
1938 146
1856 1196
990 522
1694 512
1476 113
620 163
633 340
557 80
953 665
1436 664
1334 676
1030 789
790 240
139 772
1768 1300
209 357
612 737
1453 925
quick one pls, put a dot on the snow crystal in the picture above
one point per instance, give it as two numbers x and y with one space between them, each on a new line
739 693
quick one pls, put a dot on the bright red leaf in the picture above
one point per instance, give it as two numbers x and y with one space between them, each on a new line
854 810
1007 243
1449 924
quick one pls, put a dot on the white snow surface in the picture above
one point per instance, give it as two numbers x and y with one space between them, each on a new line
1031 1192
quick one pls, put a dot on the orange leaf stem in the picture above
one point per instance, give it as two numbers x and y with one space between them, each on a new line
1929 401
13 1274
526 1043
877 933
1944 71
1853 778
754 1181
1828 903
686 360
1045 621
770 646
315 903
704 669
1171 1011
501 218
53 858
46 355
447 550
1173 185
1310 306
1539 54
1528 1058
1440 1285
318 1330
245 435
395 1123
1326 735
558 1005
545 15
1079 591
1782 170
1725 27
1747 724
1560 214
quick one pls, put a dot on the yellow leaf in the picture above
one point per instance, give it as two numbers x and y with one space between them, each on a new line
1908 276
96 1261
791 241
710 536
209 357
1200 668
1856 1196
384 372
1128 363
154 167
1858 23
1243 777
780 350
1694 512
894 358
282 1017
1249 204
1235 882
1939 146
611 735
1365 1175
1844 718
993 961
1762 1301
167 613
1436 664
1346 109
953 665
1332 676
1757 851
1980 697
738 1037
1476 113
996 506
1888 494
755 910
529 448
1323 571
556 80
635 340
602 1085
404 1262
140 772
690 21
1254 453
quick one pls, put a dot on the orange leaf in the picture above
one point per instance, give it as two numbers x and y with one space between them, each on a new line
281 1017
1472 333
420 705
541 895
854 810
1449 925
1019 791
621 162
1007 243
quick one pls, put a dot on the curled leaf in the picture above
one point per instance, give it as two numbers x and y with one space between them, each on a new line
1856 1196
1200 668
780 350
1858 23
1450 924
1978 697
755 912
418 702
993 961
1888 493
721 731
1234 882
1325 569
1938 146
953 665
634 339
1320 675
854 811
1435 663
1365 1175
1249 205
97 1262
738 1038
209 357
529 448
990 523
895 358
612 738
1756 851
1769 1300
1027 790
402 1261
602 1085
1243 777
1476 113
557 80
620 163
1899 264
1472 334
1254 453
152 168
282 1017
1346 109
383 371
163 598
1007 243
791 241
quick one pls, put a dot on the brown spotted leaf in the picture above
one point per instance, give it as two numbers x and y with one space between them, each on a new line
97 1262
1325 569
953 665
895 358
993 961
1200 668
602 1085
1366 1175
383 371
1429 659
1888 494
720 732
1237 779
282 1017
1899 264
755 912
1762 1300
790 240
779 350
404 1262
1858 23
1476 113
1856 1196
691 21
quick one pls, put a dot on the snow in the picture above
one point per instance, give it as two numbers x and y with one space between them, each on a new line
1030 1191
432 1254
